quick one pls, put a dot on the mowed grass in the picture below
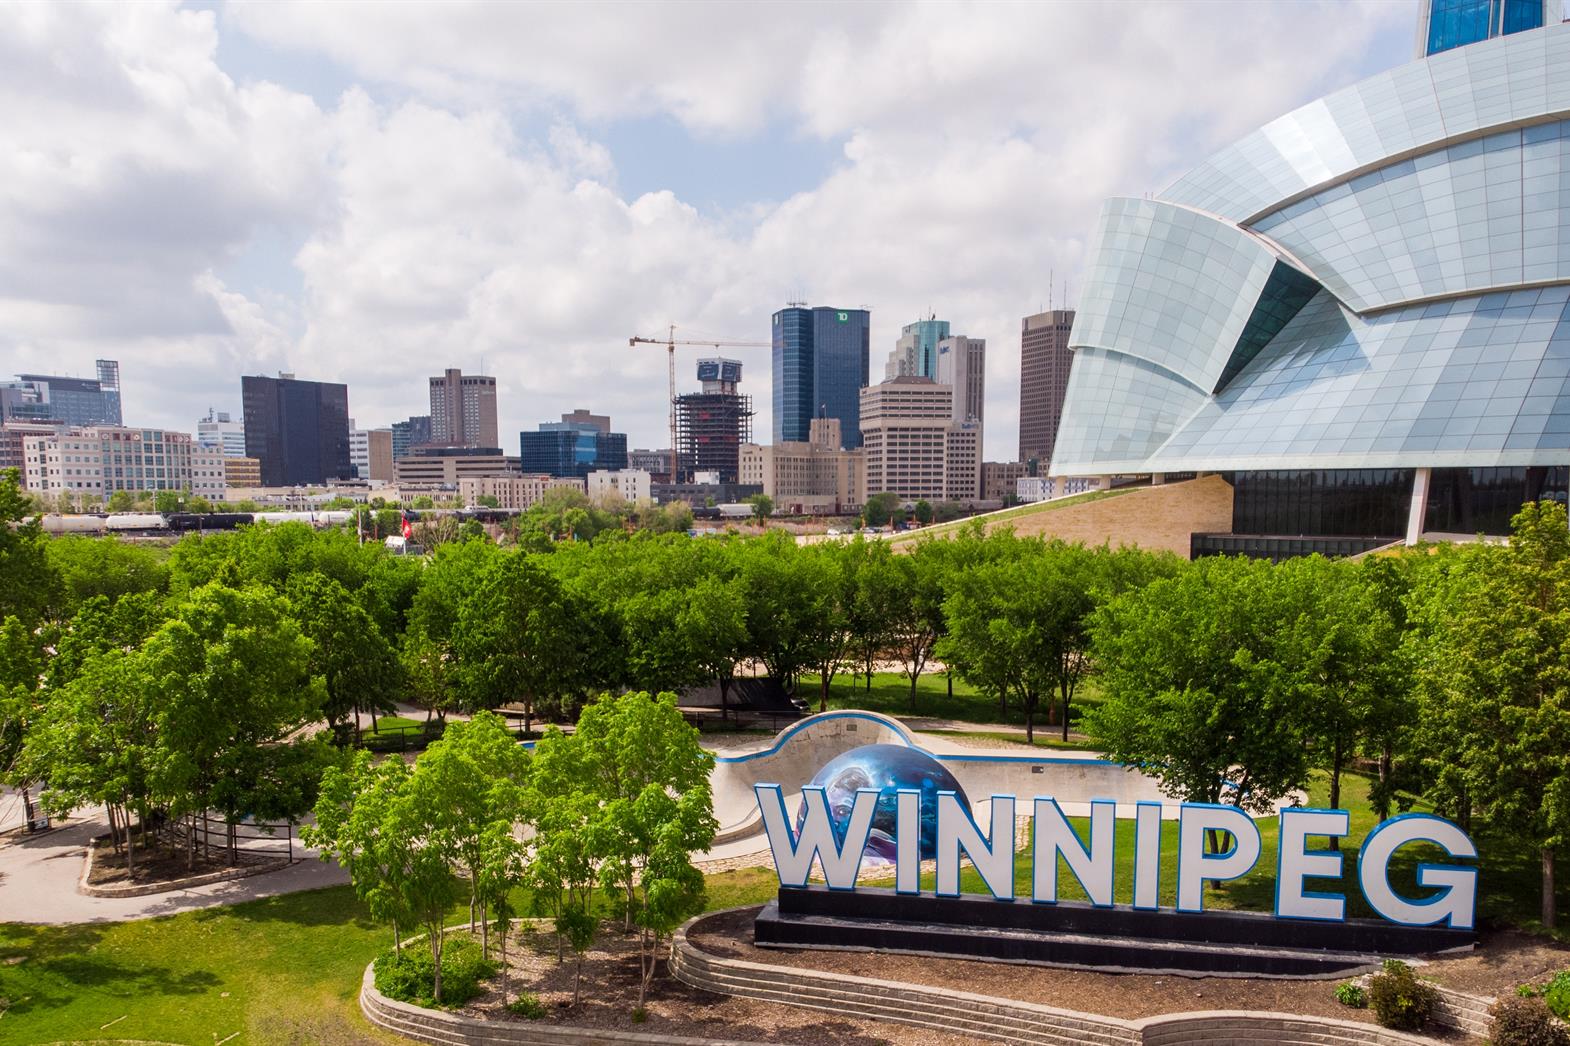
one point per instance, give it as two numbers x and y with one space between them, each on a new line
890 695
391 724
287 969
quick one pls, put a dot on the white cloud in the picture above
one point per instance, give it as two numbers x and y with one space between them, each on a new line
979 142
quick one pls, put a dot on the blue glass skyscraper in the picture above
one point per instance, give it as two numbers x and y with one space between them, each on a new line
1447 24
820 364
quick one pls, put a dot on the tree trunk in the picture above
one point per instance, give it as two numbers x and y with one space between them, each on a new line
130 845
27 806
913 675
1030 722
950 674
1067 697
823 692
1386 768
577 983
724 697
436 956
1549 909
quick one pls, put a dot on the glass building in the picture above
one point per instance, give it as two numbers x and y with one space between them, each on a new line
1359 314
60 400
567 448
820 361
298 430
1446 24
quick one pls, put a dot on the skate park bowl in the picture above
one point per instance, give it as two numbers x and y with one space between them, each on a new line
799 751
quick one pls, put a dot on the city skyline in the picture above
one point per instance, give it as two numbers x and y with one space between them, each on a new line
272 226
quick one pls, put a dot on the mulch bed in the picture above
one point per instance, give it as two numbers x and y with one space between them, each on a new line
161 865
610 991
1128 996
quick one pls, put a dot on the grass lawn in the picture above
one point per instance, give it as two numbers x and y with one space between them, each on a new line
392 724
890 694
287 969
1005 515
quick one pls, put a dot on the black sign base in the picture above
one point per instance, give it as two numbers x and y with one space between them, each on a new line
1122 940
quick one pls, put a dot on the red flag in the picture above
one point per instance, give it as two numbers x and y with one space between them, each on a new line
408 531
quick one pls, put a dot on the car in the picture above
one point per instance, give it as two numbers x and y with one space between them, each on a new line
833 532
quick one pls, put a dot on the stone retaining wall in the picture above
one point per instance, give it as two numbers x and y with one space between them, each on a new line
1005 1020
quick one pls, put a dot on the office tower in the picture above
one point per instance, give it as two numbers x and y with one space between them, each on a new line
220 431
463 410
359 451
68 401
379 454
435 467
820 367
913 446
655 462
712 425
916 352
298 430
1044 359
1446 24
406 435
573 447
962 366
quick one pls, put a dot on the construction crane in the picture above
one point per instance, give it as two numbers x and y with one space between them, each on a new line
670 342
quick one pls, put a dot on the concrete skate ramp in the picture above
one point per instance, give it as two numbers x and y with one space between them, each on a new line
797 753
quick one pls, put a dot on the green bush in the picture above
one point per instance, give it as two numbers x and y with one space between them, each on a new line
1557 995
409 977
1350 994
1525 1021
527 1005
1399 999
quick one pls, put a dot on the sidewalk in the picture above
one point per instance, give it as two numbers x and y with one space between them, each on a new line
38 876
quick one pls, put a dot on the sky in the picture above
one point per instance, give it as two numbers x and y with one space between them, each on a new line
369 193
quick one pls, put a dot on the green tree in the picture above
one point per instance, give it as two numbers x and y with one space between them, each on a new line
879 509
923 512
120 501
786 611
876 602
354 659
21 675
916 615
473 779
231 670
106 567
762 508
29 586
1496 686
167 501
1193 691
651 777
569 842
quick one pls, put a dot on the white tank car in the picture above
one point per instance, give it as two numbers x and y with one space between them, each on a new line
137 521
334 517
54 523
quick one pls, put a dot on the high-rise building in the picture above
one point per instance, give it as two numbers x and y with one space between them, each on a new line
463 410
1044 360
573 448
656 463
66 401
916 352
218 430
1446 24
298 430
815 477
406 435
359 451
712 425
820 367
379 455
98 460
1358 314
962 366
912 445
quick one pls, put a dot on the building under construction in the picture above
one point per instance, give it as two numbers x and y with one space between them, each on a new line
712 425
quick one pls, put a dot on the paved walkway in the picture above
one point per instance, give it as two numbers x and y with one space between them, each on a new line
38 877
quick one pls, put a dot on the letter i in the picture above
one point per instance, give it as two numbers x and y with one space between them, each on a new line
1147 855
907 842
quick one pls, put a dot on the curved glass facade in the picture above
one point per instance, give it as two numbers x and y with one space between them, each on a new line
1170 286
1381 282
1486 213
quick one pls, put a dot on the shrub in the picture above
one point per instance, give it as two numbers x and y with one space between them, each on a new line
409 977
527 1005
1526 1021
1557 994
1399 999
1350 994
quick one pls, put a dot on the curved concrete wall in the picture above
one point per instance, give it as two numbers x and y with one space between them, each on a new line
1005 1020
800 750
